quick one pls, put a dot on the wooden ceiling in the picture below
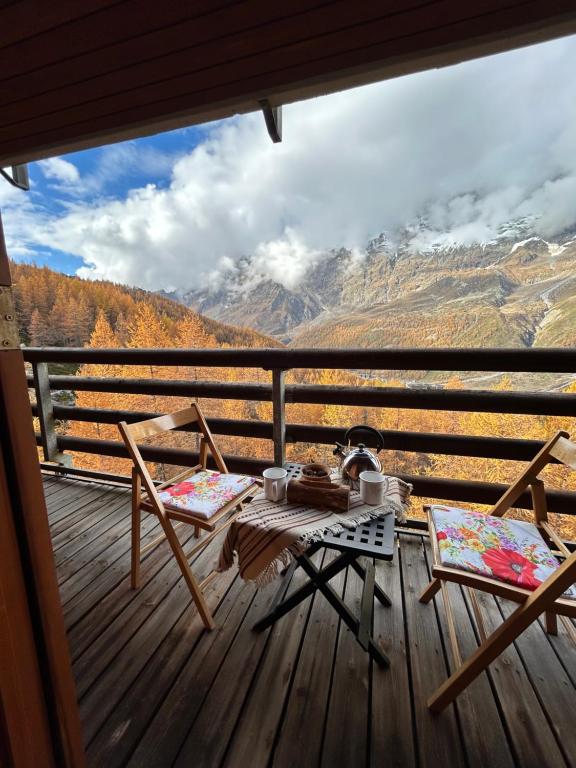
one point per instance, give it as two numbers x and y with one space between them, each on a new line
78 73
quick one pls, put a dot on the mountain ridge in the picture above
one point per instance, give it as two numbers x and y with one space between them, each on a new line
516 290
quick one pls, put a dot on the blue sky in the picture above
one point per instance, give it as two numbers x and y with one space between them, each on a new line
108 173
465 148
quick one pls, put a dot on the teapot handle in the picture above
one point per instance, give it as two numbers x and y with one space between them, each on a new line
370 431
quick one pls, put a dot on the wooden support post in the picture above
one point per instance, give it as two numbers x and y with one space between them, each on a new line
40 719
279 415
46 416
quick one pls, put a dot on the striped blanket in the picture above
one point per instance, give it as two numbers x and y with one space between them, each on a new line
269 535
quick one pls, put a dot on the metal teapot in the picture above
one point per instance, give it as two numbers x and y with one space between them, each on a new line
356 460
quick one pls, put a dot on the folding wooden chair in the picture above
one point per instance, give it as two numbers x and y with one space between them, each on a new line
193 496
507 558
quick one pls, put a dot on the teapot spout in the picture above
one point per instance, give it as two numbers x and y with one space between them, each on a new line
340 450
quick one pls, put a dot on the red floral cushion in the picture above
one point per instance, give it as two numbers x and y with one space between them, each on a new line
509 550
205 493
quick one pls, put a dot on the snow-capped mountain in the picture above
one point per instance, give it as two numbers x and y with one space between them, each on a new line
418 287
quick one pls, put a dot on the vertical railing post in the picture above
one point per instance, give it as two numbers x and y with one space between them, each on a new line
46 415
279 415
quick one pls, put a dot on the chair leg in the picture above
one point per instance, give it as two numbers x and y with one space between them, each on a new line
477 614
456 656
494 645
430 591
551 623
196 531
135 534
569 628
189 578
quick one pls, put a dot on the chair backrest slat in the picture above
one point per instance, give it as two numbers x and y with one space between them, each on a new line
565 451
140 467
131 433
142 429
529 475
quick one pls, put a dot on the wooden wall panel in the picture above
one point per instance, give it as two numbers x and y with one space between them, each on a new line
99 31
163 53
133 67
22 20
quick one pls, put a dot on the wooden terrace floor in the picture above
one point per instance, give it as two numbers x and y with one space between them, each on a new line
155 689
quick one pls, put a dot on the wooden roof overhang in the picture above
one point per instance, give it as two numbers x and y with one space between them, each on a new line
80 74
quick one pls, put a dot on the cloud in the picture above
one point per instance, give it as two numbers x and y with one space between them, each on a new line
467 148
285 260
60 170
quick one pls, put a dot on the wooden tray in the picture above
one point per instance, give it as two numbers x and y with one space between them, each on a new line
326 495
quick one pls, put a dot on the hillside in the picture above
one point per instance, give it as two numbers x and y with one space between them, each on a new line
517 290
58 310
63 306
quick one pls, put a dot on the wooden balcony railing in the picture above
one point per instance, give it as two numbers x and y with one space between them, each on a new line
278 361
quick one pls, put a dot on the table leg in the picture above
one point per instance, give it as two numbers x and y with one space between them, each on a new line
319 581
344 612
378 591
302 592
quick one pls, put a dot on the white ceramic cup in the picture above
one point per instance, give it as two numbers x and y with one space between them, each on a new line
372 487
275 482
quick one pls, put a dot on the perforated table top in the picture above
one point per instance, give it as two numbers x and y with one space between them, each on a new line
374 538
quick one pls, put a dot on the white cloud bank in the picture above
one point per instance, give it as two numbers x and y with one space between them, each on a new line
61 170
469 147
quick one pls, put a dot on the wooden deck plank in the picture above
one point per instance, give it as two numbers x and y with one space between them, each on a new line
552 685
77 515
346 730
206 742
109 593
65 487
96 577
167 730
255 732
303 722
151 600
392 726
477 707
92 509
78 538
157 689
96 543
51 485
521 709
121 658
64 501
50 480
127 724
439 740
565 649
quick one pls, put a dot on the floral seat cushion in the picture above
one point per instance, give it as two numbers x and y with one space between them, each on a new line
204 493
512 551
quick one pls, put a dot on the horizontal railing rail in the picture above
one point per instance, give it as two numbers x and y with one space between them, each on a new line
278 361
477 401
397 440
183 457
556 360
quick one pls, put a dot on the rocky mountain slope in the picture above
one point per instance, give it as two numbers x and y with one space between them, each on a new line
517 290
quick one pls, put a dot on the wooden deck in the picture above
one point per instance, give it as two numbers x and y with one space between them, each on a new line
155 689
